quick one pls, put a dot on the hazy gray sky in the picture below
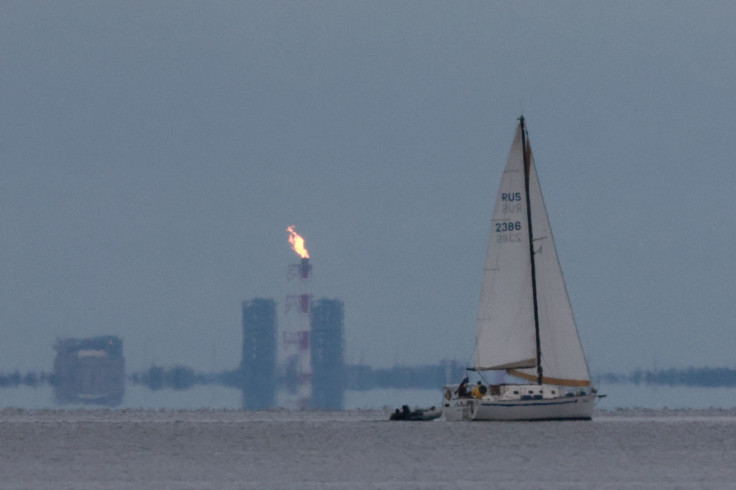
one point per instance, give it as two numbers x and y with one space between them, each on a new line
153 154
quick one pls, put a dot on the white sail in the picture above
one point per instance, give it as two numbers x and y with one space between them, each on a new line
505 336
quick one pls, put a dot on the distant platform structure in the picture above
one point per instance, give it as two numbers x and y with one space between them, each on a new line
328 343
322 336
258 362
89 371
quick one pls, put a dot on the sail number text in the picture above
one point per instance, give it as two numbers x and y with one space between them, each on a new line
512 208
508 238
508 226
506 231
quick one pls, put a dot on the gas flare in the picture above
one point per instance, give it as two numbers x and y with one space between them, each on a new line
297 243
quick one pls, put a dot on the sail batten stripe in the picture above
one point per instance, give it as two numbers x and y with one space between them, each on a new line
525 363
548 380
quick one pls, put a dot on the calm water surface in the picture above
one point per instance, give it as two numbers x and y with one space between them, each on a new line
222 449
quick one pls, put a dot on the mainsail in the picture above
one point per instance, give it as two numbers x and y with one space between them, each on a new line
506 336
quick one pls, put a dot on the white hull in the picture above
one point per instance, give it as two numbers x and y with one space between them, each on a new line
579 407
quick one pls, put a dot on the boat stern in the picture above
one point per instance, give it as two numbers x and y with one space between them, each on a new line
458 409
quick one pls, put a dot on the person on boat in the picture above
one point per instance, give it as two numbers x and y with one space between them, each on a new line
478 391
462 390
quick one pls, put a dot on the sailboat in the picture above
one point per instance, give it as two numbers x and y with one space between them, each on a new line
526 330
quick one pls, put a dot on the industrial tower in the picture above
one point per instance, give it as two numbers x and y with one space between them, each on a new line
295 359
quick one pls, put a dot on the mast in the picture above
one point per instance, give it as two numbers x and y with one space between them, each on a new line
527 169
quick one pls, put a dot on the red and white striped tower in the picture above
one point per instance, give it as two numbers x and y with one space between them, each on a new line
295 341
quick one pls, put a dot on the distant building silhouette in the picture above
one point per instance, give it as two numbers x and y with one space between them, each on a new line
90 371
258 362
327 345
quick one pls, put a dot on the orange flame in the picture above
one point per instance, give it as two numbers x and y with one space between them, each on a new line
297 243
